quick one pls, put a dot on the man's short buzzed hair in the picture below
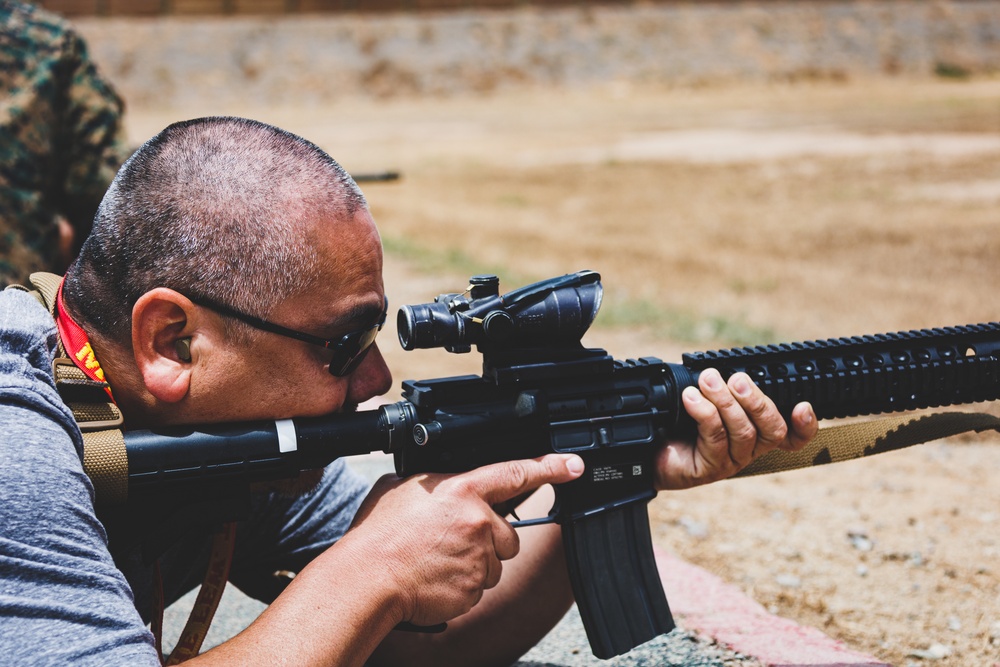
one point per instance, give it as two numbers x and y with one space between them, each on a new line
208 207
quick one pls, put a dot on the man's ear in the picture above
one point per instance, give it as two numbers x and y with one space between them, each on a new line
162 342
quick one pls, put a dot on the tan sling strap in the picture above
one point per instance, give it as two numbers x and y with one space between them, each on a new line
106 462
844 442
99 419
209 596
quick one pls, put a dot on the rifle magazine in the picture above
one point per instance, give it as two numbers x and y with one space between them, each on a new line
615 580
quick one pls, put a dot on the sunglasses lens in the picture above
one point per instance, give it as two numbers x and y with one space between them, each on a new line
353 347
351 351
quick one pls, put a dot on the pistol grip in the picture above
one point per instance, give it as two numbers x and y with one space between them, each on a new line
617 586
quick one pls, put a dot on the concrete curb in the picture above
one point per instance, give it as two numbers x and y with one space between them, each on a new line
707 605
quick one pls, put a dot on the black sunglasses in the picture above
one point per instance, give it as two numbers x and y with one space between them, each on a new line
348 350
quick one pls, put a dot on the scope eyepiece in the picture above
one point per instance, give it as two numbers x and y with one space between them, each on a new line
430 325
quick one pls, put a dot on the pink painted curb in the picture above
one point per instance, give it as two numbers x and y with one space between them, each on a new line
707 605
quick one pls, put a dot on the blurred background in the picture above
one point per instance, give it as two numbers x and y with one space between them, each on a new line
739 173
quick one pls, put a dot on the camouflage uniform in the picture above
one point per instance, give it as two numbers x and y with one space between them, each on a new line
61 139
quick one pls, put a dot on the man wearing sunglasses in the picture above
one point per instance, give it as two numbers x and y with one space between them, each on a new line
235 273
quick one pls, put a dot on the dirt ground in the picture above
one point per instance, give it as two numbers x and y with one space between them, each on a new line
731 215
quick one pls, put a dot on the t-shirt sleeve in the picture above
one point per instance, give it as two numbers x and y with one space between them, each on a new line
62 600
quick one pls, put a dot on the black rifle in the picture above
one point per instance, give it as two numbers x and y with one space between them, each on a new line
541 391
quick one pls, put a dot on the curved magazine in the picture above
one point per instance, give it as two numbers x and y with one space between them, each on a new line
615 580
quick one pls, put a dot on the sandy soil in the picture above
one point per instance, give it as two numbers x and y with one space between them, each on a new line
720 216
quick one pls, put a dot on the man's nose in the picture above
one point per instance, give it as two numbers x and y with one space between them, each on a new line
370 379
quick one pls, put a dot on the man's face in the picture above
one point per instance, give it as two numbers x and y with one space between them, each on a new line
278 377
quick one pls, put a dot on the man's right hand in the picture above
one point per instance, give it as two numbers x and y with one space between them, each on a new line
439 536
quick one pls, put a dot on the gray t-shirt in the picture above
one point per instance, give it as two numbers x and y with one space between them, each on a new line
63 597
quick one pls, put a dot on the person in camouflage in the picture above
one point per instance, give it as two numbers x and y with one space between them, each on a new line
61 141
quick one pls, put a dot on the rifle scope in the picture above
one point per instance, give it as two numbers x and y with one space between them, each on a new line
550 313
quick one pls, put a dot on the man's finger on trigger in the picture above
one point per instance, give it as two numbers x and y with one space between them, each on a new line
499 482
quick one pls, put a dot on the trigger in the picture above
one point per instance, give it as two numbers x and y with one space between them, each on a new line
534 522
541 521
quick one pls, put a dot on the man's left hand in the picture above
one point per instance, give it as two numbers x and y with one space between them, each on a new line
736 424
